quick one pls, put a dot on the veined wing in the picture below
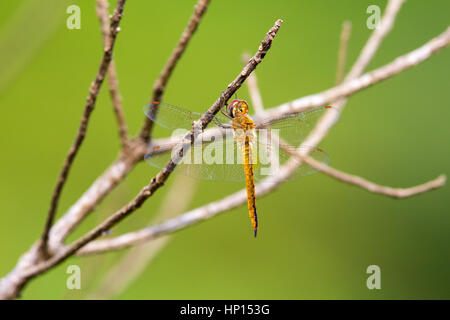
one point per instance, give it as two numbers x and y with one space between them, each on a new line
295 128
172 117
220 158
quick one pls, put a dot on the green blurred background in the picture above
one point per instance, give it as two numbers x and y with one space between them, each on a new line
317 236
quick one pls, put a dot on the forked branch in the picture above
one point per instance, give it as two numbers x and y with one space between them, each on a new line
89 107
113 83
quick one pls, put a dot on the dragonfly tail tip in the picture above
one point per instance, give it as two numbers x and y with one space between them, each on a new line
255 232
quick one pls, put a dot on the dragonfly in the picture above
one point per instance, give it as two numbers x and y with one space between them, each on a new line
239 148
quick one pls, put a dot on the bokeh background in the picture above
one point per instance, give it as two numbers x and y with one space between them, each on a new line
317 235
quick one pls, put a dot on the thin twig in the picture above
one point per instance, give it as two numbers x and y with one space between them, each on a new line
373 187
343 48
89 107
161 82
364 183
113 83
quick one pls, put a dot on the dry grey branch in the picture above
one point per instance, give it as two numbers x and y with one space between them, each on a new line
101 187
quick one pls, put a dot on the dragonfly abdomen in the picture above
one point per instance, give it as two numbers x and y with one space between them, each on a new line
250 184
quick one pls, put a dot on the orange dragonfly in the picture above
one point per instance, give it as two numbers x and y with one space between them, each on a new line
238 149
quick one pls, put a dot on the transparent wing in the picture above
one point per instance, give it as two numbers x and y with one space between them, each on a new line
292 128
205 160
172 117
295 128
221 159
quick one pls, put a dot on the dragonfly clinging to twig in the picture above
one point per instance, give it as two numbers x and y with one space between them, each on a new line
241 149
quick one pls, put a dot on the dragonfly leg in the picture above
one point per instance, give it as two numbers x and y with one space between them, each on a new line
226 114
220 124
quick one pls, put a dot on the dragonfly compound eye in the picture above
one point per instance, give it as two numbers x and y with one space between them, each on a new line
231 108
237 107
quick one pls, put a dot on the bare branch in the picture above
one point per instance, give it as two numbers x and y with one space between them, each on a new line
90 104
343 48
102 186
161 82
113 83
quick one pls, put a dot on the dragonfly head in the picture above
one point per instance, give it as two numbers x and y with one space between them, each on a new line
237 107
